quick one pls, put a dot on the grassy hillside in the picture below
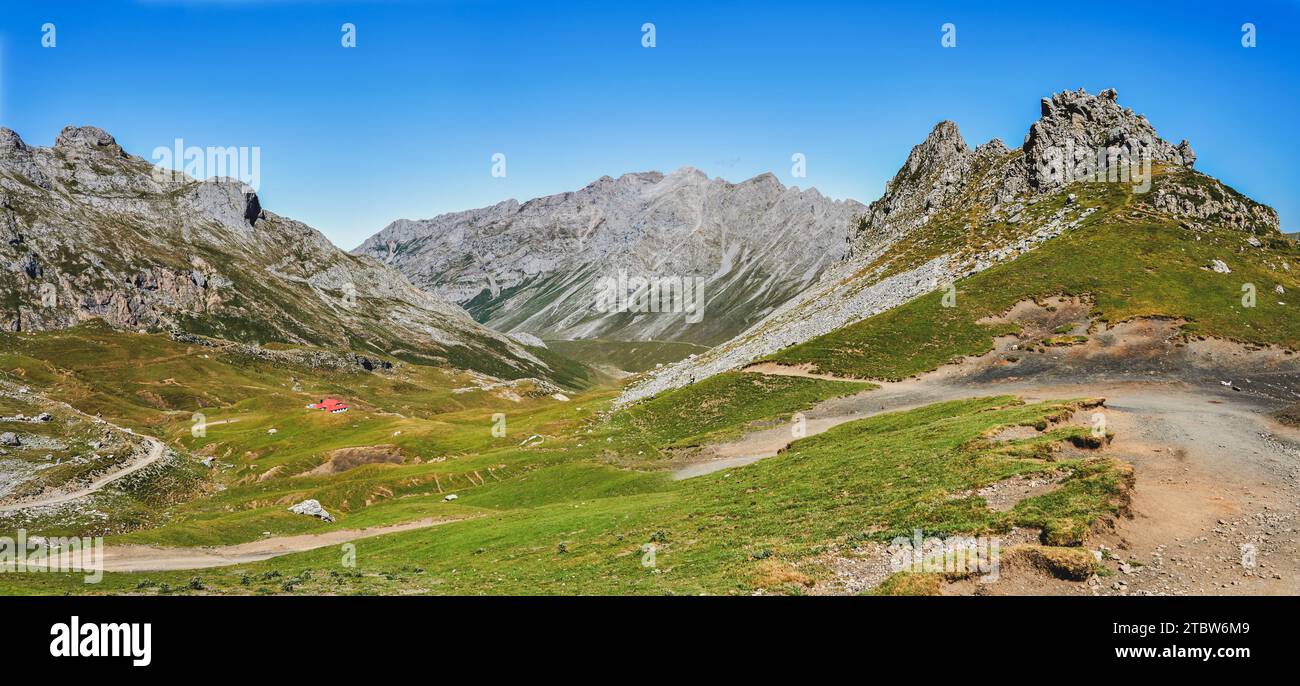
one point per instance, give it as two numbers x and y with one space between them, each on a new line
437 424
575 527
1128 261
719 405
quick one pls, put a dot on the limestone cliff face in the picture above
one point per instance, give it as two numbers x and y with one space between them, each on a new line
535 267
88 231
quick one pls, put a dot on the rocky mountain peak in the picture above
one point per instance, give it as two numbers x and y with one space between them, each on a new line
73 138
944 143
935 172
765 179
105 237
11 142
1075 127
690 172
951 212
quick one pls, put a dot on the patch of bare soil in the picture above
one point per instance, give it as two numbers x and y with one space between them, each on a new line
850 571
800 370
1014 433
1003 495
270 473
1037 319
343 459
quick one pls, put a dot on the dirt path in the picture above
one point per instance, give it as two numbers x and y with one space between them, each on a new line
156 451
1216 508
145 558
765 443
1131 361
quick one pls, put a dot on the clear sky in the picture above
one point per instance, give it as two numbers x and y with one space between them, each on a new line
406 123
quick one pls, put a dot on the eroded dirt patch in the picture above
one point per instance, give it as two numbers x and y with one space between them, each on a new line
343 459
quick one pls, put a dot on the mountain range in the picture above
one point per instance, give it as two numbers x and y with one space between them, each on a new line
89 231
535 267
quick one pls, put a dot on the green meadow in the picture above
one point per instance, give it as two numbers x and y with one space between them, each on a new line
559 516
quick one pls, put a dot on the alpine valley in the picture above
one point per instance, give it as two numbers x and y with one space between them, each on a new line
1079 347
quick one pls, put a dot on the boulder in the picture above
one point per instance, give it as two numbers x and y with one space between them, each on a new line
311 508
9 438
370 364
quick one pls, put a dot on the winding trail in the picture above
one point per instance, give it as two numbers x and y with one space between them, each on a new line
148 558
141 558
156 451
1216 475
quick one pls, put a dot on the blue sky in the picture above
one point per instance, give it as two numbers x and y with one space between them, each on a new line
406 123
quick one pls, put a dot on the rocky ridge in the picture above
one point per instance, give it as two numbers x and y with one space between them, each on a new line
929 227
88 231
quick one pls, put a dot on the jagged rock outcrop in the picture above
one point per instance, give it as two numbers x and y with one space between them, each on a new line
88 231
913 239
535 267
1075 132
937 173
1076 126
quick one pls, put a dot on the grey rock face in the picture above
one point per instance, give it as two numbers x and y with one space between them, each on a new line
526 339
228 201
1083 124
87 231
534 267
936 172
1213 202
